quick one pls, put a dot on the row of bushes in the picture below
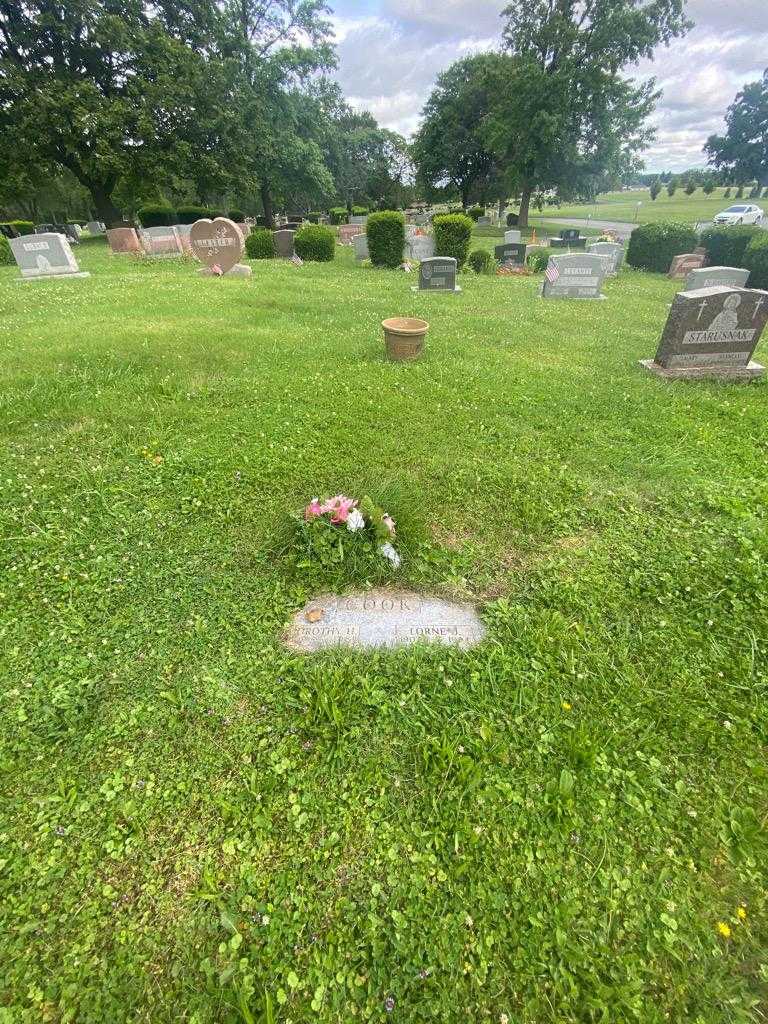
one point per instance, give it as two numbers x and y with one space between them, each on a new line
653 246
21 227
386 237
311 242
159 215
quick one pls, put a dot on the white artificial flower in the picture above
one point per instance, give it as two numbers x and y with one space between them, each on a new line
355 521
389 552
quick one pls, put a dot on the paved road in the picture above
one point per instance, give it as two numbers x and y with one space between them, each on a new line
620 228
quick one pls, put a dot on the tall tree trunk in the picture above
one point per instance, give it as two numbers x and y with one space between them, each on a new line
266 202
105 209
502 208
465 196
525 203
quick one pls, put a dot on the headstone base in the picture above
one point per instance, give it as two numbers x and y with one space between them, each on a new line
750 372
239 270
436 291
55 277
575 298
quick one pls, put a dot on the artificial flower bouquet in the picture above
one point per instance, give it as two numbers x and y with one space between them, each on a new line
335 527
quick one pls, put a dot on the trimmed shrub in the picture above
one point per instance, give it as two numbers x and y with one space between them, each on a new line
314 216
513 219
726 245
260 245
481 261
338 214
315 242
237 216
476 212
537 260
386 238
359 211
652 246
156 215
756 260
24 227
189 214
6 256
453 233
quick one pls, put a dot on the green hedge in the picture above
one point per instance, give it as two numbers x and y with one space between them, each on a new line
237 216
338 215
21 227
190 214
537 260
386 238
481 261
6 256
453 233
315 242
756 261
260 244
652 246
359 211
726 245
156 215
476 212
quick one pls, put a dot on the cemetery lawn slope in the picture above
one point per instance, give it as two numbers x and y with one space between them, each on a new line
565 823
622 206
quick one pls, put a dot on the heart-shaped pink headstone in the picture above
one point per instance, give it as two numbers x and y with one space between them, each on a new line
217 242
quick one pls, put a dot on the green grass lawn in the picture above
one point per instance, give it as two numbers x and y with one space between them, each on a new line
565 824
622 206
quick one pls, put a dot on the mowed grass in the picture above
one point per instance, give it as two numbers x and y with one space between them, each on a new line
565 824
622 206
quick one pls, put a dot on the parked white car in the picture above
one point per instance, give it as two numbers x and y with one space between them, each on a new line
743 213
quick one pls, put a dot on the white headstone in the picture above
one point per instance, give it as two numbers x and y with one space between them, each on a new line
360 243
513 235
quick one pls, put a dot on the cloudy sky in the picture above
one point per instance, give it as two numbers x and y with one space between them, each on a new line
390 52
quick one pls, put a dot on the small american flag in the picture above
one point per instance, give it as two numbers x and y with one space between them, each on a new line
551 273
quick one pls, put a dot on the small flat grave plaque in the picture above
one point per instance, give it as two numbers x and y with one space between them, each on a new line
382 618
575 276
712 332
438 274
511 253
710 277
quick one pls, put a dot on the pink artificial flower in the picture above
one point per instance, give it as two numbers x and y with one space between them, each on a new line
389 522
216 270
340 506
313 509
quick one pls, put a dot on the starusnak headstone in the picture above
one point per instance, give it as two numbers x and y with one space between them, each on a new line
360 243
709 277
162 240
513 235
712 332
284 242
574 276
382 618
123 241
437 274
44 256
218 243
682 265
511 253
611 253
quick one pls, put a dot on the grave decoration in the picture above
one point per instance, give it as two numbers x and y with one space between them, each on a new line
44 256
219 244
712 332
574 276
437 274
404 337
382 618
340 527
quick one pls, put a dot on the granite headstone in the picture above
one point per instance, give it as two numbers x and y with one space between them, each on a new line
574 276
360 243
420 247
712 332
513 235
437 274
708 277
682 265
123 240
612 254
284 242
218 243
161 241
45 256
511 253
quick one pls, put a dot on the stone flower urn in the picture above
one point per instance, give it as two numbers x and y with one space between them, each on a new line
404 337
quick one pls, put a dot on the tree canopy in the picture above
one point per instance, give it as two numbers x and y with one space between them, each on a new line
743 150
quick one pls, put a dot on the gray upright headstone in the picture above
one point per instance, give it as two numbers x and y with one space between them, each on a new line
161 241
360 242
709 277
611 253
284 243
47 255
95 227
420 247
511 253
438 274
513 235
712 332
574 276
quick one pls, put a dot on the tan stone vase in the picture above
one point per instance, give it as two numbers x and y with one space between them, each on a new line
404 337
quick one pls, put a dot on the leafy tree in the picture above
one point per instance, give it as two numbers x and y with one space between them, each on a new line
690 187
672 187
743 149
709 187
562 114
450 148
102 88
655 188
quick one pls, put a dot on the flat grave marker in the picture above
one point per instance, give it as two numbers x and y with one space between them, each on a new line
382 618
574 276
712 332
44 256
